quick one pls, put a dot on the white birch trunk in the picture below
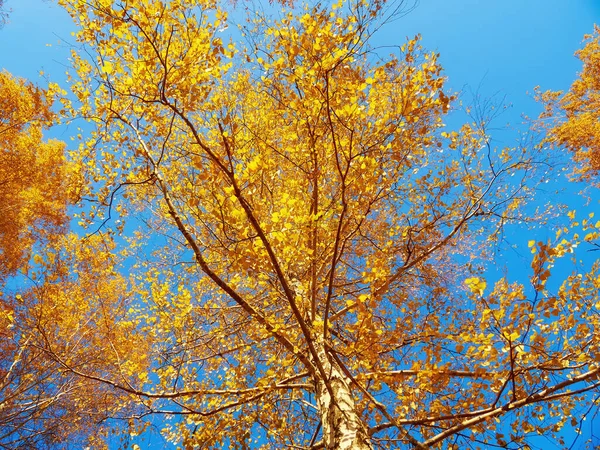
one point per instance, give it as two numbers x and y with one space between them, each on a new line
342 426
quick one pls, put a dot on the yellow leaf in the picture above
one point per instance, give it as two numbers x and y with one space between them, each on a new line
476 285
107 67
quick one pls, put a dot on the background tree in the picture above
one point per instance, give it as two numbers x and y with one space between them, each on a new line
572 117
308 269
33 174
36 184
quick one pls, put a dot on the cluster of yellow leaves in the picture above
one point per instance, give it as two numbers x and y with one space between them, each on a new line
524 338
84 300
476 285
574 116
34 176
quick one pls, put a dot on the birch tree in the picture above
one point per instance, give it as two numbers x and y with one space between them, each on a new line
307 271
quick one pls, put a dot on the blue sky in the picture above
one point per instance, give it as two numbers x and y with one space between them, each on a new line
509 45
504 47
29 42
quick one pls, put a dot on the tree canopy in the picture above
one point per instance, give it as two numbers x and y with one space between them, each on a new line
284 246
572 116
36 184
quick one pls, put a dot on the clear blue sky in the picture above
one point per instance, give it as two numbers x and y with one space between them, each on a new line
506 46
510 45
30 41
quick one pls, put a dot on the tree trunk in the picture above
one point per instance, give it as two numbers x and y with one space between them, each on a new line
342 427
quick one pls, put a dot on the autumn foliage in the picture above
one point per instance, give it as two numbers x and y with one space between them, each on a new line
573 117
285 245
33 173
36 185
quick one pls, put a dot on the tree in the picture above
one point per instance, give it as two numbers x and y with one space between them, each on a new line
572 117
33 174
308 271
36 184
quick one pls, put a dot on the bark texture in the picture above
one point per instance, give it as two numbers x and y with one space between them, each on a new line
343 428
